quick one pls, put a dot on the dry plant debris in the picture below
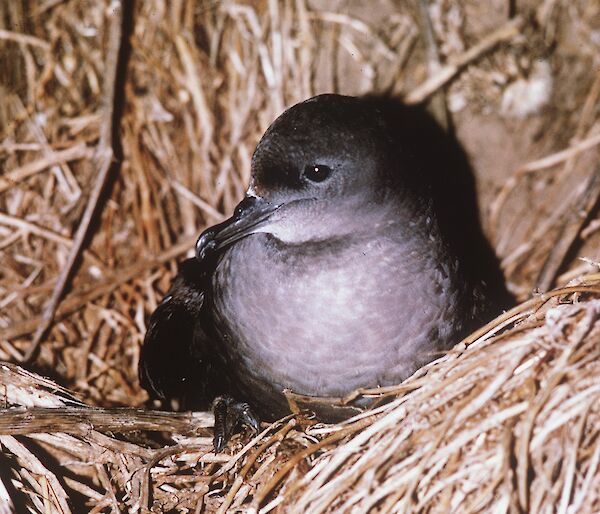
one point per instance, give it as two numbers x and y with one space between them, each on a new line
203 80
509 420
510 424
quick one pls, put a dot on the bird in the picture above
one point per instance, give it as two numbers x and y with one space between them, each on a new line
338 270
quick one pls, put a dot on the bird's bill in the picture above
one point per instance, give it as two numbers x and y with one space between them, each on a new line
250 214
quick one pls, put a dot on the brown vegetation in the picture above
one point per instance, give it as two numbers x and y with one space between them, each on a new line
508 420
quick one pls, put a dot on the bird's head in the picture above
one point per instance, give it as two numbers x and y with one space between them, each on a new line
326 168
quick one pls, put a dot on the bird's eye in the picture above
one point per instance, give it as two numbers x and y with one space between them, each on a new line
317 172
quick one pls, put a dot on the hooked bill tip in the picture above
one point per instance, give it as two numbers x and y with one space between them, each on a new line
205 244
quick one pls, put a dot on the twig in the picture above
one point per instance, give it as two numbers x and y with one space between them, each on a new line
104 156
203 205
82 297
556 374
194 85
79 151
558 157
531 167
239 479
32 228
438 99
81 420
580 210
262 493
6 504
29 461
110 491
24 39
448 72
355 24
163 454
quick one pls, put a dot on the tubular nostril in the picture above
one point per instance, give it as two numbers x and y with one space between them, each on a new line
247 203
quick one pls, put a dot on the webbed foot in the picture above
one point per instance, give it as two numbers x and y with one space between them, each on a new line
229 415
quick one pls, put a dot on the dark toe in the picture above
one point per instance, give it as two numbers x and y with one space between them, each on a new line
231 414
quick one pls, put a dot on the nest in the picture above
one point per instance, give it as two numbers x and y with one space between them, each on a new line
509 419
125 130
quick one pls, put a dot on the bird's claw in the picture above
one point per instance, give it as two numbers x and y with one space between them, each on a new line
229 415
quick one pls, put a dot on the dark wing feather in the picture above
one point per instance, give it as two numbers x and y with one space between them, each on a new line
178 359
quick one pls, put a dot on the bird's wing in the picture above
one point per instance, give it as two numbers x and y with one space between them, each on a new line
177 359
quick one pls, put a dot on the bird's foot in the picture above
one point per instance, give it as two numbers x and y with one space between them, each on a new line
229 415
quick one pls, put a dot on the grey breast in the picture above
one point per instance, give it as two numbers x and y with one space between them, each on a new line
327 318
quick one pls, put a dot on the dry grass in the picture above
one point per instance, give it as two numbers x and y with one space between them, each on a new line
507 424
510 423
508 420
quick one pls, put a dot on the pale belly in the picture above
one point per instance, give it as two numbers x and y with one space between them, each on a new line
360 319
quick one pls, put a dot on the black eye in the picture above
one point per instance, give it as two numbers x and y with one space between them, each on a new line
317 172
